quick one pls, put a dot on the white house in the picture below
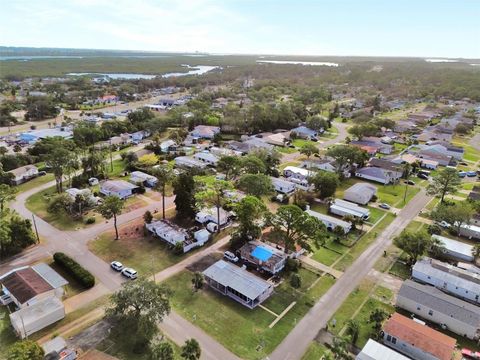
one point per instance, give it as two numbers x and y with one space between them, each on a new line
376 351
141 178
435 306
205 131
166 145
189 162
417 341
377 174
360 193
451 279
210 215
206 157
23 173
455 249
470 231
346 208
283 186
120 188
326 165
330 221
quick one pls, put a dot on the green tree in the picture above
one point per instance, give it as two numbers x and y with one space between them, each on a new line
250 211
147 217
339 349
191 350
346 155
197 280
255 184
377 317
162 351
138 306
59 160
457 214
296 227
164 176
325 183
446 182
112 207
295 281
317 123
60 203
415 244
476 251
253 165
309 150
214 195
353 330
25 350
7 193
5 238
229 165
184 191
21 232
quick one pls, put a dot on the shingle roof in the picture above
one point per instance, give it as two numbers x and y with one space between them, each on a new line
22 170
237 278
118 185
420 336
438 301
25 284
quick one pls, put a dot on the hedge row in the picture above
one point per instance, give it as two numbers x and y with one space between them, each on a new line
82 275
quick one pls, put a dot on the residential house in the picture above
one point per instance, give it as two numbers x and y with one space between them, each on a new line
32 136
435 306
283 186
416 340
455 249
445 148
138 136
451 279
378 175
141 178
325 164
298 175
204 132
263 256
206 157
346 208
376 351
470 231
211 215
330 221
441 159
360 193
237 283
86 193
304 132
429 164
219 152
374 145
120 188
474 195
189 162
276 139
23 174
166 145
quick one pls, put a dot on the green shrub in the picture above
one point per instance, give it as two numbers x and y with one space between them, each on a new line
295 281
82 275
90 220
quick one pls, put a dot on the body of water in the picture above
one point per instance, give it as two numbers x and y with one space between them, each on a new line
441 60
311 63
195 70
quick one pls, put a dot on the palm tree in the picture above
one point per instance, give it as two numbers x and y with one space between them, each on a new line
339 349
407 169
353 330
164 176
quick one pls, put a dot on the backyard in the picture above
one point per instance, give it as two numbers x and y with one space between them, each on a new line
243 331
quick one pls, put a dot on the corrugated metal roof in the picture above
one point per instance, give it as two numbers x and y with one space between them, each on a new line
440 302
237 278
376 351
49 275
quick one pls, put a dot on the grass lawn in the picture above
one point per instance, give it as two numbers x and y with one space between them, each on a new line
364 242
301 142
7 336
243 331
375 214
393 194
145 254
73 287
38 203
35 182
118 168
330 133
315 351
401 270
383 293
471 154
325 256
285 149
290 163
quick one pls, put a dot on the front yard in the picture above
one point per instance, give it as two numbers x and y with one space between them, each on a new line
243 331
7 336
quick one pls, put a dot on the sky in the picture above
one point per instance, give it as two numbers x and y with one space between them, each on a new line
424 28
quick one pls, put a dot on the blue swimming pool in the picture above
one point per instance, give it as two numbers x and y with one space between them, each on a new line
261 253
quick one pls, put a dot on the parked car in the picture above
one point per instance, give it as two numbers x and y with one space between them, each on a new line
471 173
116 265
129 273
409 182
422 176
462 174
444 224
42 173
384 206
230 256
469 354
463 163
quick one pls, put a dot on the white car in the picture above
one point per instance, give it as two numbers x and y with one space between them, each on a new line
129 273
230 256
444 224
116 265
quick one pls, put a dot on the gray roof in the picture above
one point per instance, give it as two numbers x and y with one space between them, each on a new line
438 272
117 185
376 351
49 275
363 188
439 301
454 245
237 278
373 171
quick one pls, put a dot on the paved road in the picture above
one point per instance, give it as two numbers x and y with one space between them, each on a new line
475 141
298 340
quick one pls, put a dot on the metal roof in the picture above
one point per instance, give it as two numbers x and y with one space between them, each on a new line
376 351
49 275
454 245
237 279
437 300
333 220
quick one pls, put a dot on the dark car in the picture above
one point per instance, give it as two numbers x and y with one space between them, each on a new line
422 176
409 182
